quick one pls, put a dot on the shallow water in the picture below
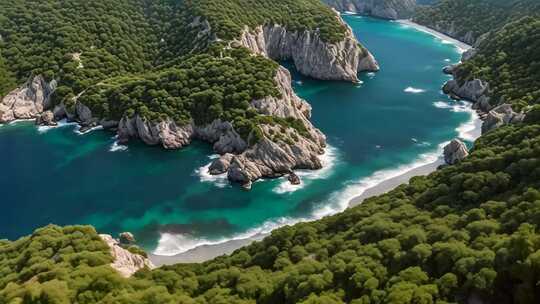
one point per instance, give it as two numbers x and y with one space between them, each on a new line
395 120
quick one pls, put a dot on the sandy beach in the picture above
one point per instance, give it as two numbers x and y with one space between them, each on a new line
207 252
461 45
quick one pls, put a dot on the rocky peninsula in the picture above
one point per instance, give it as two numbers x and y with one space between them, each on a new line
242 160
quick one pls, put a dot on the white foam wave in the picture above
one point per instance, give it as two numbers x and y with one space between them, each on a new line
21 120
59 124
172 244
328 160
299 82
469 130
348 13
116 147
447 60
219 180
472 129
370 74
413 90
78 129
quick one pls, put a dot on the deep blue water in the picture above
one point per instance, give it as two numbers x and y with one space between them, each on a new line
394 119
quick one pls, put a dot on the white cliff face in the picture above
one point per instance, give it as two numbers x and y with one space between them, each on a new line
311 55
386 9
28 101
125 262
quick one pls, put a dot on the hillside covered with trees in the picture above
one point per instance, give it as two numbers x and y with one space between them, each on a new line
509 61
172 56
465 231
468 20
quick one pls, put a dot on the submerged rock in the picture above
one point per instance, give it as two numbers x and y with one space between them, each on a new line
455 152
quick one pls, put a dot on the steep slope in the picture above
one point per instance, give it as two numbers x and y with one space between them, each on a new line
387 9
168 72
468 20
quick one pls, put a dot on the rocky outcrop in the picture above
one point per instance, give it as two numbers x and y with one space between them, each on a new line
499 116
477 92
311 55
28 101
386 9
293 179
470 90
165 133
125 262
455 152
126 238
46 119
281 149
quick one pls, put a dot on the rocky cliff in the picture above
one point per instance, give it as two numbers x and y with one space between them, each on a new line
28 101
311 55
477 92
281 150
125 262
387 9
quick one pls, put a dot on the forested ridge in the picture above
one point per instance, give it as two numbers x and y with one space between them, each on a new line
509 60
172 56
465 231
478 17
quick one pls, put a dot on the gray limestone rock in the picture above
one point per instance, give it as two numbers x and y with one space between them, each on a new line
455 152
311 55
28 101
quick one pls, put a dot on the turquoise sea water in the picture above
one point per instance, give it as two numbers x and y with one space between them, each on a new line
396 119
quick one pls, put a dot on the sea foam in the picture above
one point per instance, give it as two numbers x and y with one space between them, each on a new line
219 180
328 160
413 90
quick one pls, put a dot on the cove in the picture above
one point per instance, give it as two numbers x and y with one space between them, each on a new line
392 120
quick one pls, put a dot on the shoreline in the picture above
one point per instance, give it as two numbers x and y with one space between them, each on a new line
462 46
206 252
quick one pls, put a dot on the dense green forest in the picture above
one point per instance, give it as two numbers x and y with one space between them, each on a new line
458 17
7 81
469 230
510 61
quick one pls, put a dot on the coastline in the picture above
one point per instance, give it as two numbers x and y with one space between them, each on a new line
462 46
418 168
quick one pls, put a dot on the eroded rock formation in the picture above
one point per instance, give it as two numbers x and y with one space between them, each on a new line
125 262
28 101
311 55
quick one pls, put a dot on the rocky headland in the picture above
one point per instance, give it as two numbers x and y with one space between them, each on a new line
494 113
242 161
386 9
